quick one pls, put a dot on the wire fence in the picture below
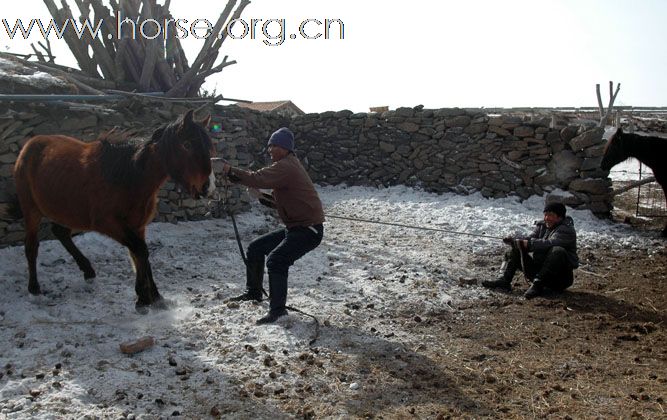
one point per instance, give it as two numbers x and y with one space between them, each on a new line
650 198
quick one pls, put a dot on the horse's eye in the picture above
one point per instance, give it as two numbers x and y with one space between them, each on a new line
187 145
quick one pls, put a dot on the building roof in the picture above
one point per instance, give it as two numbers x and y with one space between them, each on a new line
272 106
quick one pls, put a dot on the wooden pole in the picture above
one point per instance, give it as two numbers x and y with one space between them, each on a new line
632 185
604 116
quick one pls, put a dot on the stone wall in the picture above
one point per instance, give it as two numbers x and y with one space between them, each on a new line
457 150
443 150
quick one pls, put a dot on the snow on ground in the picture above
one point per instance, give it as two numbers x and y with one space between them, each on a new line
59 353
628 170
18 73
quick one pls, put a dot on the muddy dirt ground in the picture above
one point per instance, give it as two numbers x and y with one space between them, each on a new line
599 350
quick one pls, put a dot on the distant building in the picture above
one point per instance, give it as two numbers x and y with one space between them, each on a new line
285 108
379 109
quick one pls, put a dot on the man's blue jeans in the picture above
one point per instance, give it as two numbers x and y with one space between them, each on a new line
281 248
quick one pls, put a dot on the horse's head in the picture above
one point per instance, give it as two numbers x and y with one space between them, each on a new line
614 151
186 150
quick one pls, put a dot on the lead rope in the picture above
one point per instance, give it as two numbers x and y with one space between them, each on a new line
356 219
223 203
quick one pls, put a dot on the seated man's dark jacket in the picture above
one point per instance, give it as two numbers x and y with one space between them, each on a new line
563 235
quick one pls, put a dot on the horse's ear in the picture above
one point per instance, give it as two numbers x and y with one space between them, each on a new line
206 121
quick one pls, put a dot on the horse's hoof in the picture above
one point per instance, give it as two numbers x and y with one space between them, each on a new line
40 300
163 304
160 304
141 308
89 275
35 290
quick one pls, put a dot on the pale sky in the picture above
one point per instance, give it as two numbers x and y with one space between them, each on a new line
472 53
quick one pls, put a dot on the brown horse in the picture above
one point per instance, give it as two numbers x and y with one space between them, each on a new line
109 188
649 150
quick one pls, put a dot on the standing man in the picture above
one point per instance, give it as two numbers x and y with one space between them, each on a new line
554 247
300 209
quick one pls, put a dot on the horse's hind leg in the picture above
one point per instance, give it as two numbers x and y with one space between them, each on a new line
64 235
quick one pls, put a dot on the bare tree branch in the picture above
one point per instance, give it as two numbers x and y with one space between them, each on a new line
39 55
47 49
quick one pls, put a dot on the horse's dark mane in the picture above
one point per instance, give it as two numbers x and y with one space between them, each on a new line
122 162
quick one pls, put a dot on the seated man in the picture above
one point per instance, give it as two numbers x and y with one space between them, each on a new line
553 244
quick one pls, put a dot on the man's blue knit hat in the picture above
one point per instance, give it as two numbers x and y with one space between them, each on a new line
284 138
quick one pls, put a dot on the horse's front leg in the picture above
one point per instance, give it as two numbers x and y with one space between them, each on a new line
31 250
160 302
147 293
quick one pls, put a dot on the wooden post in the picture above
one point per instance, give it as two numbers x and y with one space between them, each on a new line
604 116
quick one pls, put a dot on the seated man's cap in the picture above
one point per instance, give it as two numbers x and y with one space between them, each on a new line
557 208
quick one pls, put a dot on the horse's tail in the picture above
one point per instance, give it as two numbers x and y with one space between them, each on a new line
13 209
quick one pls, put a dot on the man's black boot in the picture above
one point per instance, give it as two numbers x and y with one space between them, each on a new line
534 290
501 284
272 316
255 295
278 288
254 277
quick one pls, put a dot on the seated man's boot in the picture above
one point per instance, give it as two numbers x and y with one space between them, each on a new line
501 283
509 268
534 290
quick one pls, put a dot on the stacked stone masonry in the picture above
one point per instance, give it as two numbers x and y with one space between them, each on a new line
443 150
